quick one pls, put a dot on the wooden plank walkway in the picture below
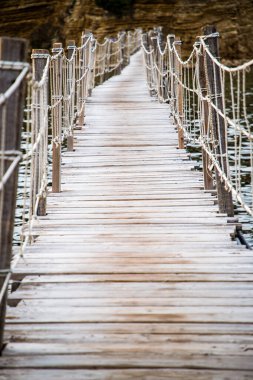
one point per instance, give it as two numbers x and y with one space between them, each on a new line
133 275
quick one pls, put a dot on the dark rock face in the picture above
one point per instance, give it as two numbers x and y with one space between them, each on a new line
58 20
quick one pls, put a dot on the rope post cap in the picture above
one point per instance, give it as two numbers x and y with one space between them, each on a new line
57 45
85 37
210 31
71 44
39 53
86 33
171 38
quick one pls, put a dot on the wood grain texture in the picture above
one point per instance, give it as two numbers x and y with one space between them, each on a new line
133 273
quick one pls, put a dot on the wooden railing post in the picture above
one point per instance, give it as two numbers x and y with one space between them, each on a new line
82 84
56 94
179 101
101 69
119 55
91 67
70 138
207 173
145 40
39 60
124 49
217 122
108 60
80 90
11 49
155 57
159 43
171 39
160 36
128 48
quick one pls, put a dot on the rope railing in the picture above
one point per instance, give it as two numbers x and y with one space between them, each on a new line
211 105
13 74
57 86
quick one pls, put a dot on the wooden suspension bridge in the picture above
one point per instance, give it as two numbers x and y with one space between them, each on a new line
134 273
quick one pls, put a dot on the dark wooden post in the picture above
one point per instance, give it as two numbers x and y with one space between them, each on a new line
11 49
124 48
128 49
214 90
83 59
147 45
39 60
155 57
145 40
208 177
179 93
57 118
154 44
93 71
171 39
159 43
91 61
88 54
160 37
163 67
80 63
108 60
70 139
119 55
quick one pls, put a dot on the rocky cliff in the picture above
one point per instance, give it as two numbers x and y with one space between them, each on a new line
45 21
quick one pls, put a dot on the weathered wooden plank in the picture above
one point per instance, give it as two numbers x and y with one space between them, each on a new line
219 348
52 303
70 202
135 290
65 336
123 374
132 277
178 328
137 359
152 268
139 261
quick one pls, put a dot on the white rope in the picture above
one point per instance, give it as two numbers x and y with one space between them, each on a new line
13 88
228 106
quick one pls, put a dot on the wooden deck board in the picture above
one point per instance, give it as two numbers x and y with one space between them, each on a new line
133 273
123 374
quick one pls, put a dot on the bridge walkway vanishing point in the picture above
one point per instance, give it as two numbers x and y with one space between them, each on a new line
133 275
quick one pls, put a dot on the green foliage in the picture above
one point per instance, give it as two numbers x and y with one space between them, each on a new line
117 7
